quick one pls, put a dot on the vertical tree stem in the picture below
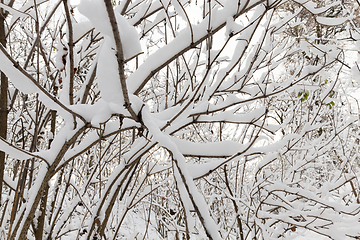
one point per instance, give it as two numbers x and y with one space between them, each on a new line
71 53
3 103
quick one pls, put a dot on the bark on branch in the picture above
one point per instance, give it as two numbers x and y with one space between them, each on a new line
120 57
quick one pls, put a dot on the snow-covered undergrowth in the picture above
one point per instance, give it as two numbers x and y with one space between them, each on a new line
172 119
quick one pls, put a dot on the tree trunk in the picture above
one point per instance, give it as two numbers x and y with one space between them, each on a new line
3 103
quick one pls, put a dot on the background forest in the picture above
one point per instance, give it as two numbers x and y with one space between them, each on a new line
179 119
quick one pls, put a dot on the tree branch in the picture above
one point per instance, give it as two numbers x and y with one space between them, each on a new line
120 57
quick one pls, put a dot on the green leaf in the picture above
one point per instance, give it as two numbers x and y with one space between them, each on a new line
305 96
332 94
331 104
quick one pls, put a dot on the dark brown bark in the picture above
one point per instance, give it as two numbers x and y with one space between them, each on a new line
120 58
3 103
71 53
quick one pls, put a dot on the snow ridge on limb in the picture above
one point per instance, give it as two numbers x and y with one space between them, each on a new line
183 42
27 84
96 12
311 6
196 198
328 21
119 35
16 152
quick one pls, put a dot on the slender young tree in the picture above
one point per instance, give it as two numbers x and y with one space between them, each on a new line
3 100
